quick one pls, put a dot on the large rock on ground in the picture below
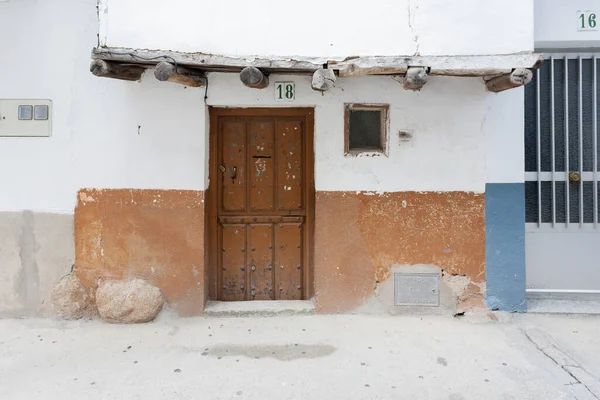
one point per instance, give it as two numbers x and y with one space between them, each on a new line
128 302
71 299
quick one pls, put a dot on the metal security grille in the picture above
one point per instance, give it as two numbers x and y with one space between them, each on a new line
561 144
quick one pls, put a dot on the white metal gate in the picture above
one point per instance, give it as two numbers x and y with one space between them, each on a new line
561 175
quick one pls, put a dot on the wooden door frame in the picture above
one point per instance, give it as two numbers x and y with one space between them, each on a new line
308 181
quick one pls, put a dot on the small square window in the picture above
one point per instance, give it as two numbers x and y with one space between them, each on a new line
25 113
366 128
40 112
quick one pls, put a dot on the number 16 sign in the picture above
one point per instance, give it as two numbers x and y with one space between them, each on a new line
586 21
285 91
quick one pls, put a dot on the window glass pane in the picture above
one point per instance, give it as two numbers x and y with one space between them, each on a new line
364 128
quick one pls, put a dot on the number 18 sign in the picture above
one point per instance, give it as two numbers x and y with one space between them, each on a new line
285 91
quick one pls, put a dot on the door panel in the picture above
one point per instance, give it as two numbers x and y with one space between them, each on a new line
289 166
289 279
260 212
261 262
233 261
562 175
232 166
262 178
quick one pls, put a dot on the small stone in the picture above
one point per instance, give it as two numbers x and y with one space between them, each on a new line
218 358
177 370
71 300
239 393
128 347
203 353
128 302
363 364
210 335
487 380
93 383
503 363
135 362
420 376
367 385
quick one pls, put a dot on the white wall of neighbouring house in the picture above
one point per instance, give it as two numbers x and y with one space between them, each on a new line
567 24
319 28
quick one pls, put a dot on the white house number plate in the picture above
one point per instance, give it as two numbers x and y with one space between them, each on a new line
285 91
417 289
586 21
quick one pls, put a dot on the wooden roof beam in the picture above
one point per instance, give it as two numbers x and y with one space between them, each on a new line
254 78
501 72
165 71
323 79
415 78
518 77
115 70
351 66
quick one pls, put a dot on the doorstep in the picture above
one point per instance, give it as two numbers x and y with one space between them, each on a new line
259 308
563 303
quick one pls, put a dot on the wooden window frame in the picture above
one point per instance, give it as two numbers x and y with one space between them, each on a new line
385 111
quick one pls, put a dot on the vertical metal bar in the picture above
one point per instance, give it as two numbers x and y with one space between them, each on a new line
580 109
567 211
538 145
552 141
595 124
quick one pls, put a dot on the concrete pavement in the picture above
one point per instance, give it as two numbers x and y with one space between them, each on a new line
487 356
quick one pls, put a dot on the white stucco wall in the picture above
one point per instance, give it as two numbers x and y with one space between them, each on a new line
320 28
45 47
557 24
96 142
446 120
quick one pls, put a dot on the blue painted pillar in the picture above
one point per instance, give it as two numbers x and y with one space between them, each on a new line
505 246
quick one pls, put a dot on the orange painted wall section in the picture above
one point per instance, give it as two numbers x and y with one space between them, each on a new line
157 235
359 236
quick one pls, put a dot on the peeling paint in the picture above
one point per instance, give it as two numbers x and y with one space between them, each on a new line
150 234
358 238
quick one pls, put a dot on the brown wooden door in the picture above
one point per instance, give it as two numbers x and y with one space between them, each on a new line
262 205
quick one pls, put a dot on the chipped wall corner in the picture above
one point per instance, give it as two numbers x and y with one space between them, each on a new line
457 294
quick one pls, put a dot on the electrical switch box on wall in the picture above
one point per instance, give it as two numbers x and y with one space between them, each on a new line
25 118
